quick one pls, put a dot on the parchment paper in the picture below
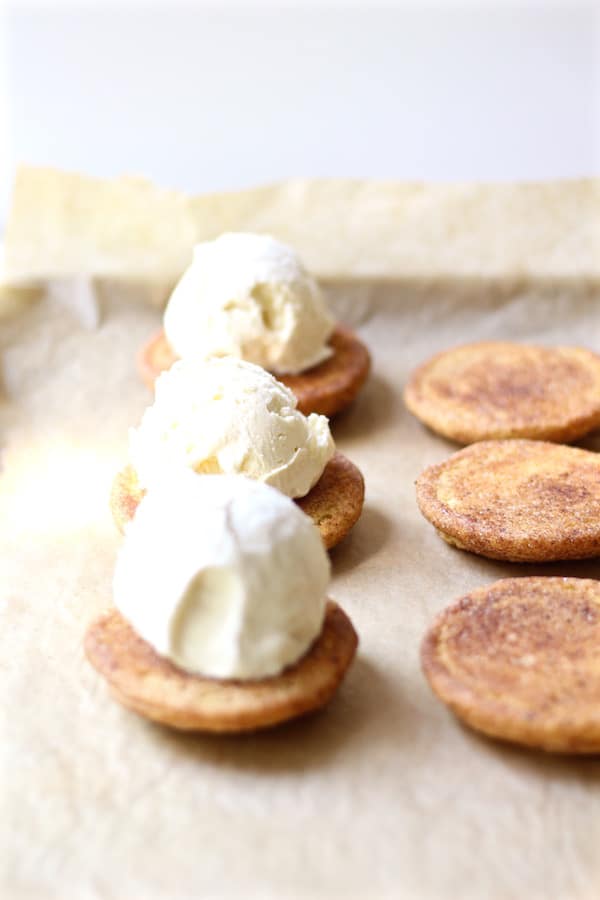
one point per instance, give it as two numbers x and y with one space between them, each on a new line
62 224
384 794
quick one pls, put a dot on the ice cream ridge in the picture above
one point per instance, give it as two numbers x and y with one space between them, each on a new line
249 296
221 620
225 416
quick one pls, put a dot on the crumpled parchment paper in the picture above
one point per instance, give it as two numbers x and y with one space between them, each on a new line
382 795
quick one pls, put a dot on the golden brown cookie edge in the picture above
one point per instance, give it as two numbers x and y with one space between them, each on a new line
328 388
494 545
566 432
334 503
489 718
153 687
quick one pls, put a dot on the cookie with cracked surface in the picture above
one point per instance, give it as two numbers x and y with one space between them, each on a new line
334 503
154 687
327 388
496 389
522 501
519 661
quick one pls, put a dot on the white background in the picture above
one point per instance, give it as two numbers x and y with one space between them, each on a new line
214 96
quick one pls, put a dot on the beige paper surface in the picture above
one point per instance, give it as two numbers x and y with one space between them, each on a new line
384 794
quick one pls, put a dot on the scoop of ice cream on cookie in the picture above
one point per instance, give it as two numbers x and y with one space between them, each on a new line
249 296
228 416
233 587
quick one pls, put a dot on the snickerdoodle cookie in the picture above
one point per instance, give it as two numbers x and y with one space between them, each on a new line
495 389
520 660
159 690
326 388
524 501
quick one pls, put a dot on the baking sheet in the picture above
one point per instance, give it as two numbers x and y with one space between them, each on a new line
383 794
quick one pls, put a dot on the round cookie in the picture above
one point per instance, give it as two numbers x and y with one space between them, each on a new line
155 688
326 388
334 503
520 660
494 389
523 501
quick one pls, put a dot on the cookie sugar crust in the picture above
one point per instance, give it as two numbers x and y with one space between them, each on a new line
522 501
519 660
497 389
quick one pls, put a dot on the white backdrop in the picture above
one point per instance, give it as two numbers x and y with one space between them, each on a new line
209 96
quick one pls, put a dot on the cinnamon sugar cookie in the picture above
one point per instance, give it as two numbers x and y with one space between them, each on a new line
326 388
494 389
334 503
520 660
155 688
523 501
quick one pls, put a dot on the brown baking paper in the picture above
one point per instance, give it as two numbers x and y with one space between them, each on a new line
381 795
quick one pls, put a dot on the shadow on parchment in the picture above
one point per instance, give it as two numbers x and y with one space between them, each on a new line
489 570
3 391
368 536
590 442
367 708
564 766
371 411
493 570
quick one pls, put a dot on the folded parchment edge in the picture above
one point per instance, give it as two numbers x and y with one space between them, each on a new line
64 224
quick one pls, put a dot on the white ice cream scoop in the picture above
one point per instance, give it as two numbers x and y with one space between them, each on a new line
223 575
227 416
248 295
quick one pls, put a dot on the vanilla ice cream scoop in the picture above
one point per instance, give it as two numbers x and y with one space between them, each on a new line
224 576
248 295
227 416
